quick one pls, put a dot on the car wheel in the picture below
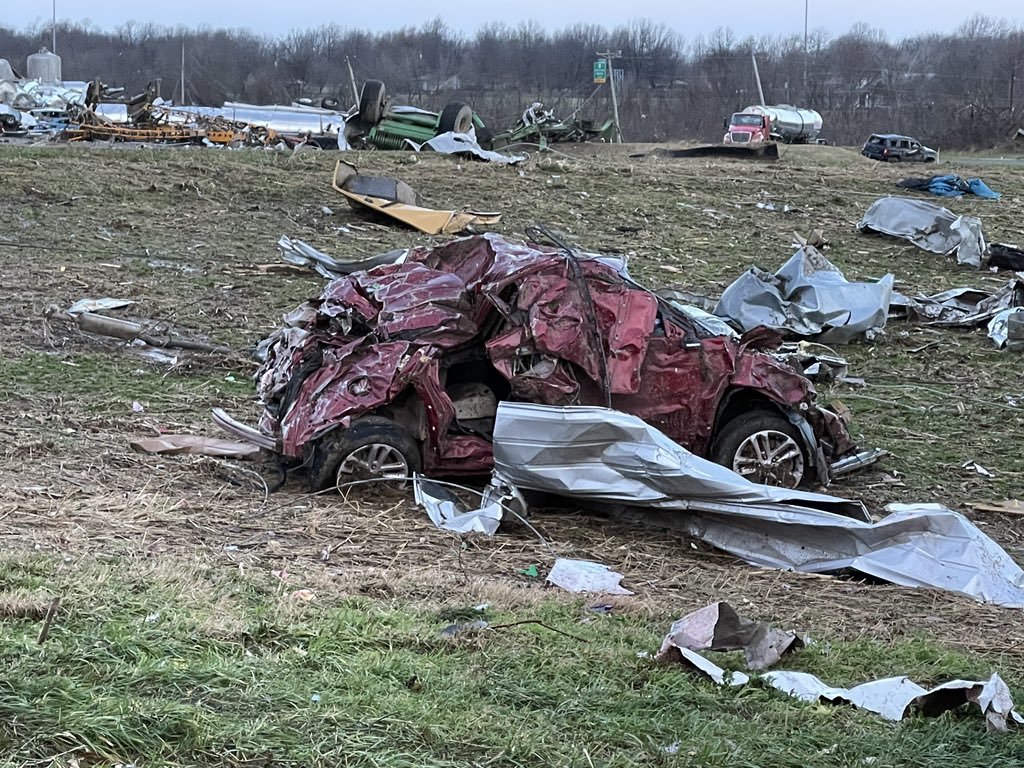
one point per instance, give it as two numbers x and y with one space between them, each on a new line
372 447
764 448
457 117
372 99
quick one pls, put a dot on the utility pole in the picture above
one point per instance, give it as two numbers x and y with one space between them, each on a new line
352 77
607 56
806 4
182 72
757 77
53 29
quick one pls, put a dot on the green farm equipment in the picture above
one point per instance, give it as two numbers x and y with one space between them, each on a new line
382 125
390 127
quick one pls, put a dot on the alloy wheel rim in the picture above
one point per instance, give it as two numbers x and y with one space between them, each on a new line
373 460
770 457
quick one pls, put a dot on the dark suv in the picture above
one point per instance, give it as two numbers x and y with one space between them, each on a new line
893 148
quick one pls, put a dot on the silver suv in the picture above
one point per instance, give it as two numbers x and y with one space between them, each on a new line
894 148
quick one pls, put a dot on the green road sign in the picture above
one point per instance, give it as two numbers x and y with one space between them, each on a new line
600 71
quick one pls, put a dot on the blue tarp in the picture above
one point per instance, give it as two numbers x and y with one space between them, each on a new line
951 185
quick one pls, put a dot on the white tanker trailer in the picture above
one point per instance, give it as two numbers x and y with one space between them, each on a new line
758 125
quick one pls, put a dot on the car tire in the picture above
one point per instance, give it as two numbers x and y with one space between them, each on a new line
485 138
764 447
372 99
371 447
457 117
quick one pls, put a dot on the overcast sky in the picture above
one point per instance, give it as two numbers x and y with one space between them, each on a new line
899 19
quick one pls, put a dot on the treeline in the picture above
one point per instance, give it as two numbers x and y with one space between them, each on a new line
950 90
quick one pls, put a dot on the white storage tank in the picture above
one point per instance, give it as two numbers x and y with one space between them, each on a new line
43 66
6 73
793 124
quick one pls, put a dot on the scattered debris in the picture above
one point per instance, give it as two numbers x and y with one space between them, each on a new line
397 200
718 627
808 296
973 466
452 143
97 305
593 454
1005 256
446 511
586 576
895 698
961 307
709 669
302 254
92 322
453 630
818 362
196 444
540 126
1006 328
928 226
1008 507
950 185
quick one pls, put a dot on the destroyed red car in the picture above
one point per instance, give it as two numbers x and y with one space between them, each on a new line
399 369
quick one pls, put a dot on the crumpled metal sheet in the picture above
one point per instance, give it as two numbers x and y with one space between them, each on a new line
916 545
283 119
998 326
452 143
718 627
961 307
446 511
302 254
807 296
586 576
24 95
927 226
894 698
594 454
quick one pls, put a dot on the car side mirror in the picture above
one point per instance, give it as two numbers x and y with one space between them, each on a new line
725 123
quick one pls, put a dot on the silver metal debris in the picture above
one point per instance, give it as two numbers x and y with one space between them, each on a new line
807 296
595 454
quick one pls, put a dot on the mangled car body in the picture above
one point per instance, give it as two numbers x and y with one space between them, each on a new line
399 369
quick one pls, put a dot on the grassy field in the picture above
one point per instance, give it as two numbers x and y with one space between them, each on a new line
185 635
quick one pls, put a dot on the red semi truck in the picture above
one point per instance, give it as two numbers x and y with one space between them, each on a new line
758 125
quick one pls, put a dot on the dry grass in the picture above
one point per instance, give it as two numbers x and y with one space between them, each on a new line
179 231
